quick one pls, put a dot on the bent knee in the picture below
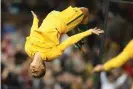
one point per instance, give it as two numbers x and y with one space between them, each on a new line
85 11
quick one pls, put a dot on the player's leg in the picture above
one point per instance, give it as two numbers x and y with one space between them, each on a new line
76 29
72 17
79 20
84 21
86 15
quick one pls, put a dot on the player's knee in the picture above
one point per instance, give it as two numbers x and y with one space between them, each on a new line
86 15
85 11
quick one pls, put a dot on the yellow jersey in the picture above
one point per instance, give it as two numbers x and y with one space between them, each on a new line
46 38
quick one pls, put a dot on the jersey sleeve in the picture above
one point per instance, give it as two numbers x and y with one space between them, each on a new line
73 39
119 60
34 24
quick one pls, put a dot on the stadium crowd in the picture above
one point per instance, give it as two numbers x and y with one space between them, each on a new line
72 70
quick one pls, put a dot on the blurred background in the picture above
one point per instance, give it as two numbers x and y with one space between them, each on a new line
72 70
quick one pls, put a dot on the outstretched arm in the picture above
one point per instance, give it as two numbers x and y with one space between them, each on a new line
74 39
117 61
35 22
123 57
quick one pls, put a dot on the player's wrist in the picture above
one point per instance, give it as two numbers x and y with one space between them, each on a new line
89 31
102 68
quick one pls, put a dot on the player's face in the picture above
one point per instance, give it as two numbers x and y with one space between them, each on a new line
37 65
37 68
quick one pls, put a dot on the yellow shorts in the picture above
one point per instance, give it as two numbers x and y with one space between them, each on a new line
64 21
71 18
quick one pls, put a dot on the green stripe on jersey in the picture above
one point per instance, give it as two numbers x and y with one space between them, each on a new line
75 19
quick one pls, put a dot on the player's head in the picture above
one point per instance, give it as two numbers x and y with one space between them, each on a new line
37 66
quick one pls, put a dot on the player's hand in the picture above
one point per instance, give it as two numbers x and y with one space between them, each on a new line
98 68
34 15
96 31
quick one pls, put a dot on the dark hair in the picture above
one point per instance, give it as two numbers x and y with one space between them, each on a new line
40 75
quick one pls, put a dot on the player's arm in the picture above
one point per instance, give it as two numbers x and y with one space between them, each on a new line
123 57
117 61
35 22
74 39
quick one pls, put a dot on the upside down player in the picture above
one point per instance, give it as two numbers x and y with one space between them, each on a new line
44 45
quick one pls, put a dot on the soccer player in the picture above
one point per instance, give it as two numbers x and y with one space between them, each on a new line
44 45
117 61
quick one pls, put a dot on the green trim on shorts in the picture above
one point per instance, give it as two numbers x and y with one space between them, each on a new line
75 19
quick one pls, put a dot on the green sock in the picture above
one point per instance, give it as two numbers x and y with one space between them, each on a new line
83 27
